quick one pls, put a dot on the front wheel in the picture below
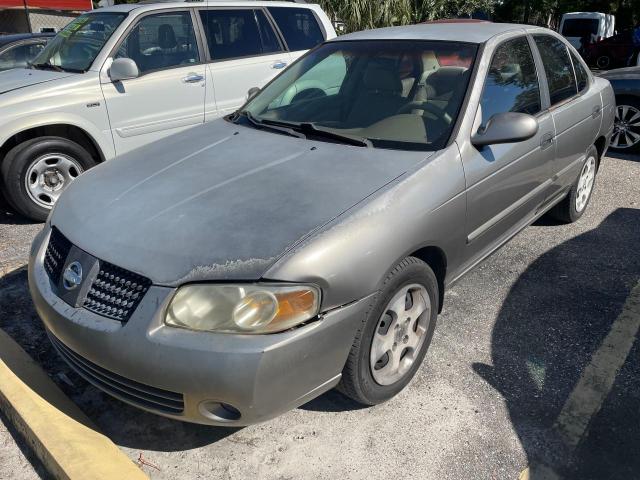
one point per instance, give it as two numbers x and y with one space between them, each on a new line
394 336
37 171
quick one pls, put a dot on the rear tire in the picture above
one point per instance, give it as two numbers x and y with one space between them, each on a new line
603 62
573 206
390 333
36 172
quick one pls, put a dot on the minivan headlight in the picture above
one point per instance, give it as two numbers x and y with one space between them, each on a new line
238 308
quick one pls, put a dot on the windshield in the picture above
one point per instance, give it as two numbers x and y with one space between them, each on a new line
389 94
580 27
76 46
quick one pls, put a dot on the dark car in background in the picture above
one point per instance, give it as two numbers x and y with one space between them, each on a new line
621 50
626 86
17 50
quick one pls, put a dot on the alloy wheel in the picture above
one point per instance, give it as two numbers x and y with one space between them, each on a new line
626 130
399 334
585 183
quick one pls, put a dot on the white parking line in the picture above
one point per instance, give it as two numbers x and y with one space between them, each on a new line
595 383
598 377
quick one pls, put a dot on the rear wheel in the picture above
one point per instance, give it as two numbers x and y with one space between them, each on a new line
36 172
626 129
573 206
395 335
603 61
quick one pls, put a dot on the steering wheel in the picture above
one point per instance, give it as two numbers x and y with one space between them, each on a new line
308 94
438 112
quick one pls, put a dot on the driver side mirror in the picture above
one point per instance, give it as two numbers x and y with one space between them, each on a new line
507 127
252 93
123 69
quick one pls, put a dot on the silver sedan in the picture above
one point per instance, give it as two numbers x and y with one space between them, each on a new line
239 269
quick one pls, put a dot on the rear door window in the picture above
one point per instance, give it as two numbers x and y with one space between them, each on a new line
558 68
299 27
512 81
238 33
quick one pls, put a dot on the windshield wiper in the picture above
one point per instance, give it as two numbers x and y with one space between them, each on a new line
310 128
47 66
55 68
266 125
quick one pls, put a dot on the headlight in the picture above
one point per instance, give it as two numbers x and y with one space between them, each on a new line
259 308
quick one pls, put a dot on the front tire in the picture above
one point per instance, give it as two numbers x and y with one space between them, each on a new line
37 171
573 206
394 335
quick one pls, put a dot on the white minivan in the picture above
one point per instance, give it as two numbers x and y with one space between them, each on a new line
586 27
120 77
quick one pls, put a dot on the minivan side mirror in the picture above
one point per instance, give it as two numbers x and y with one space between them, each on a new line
506 127
123 69
253 91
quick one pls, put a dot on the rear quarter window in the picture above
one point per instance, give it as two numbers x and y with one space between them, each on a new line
299 27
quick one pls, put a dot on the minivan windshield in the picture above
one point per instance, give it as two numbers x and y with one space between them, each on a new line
76 46
397 94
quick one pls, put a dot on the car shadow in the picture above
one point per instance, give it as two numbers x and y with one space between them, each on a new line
8 216
633 157
554 318
125 425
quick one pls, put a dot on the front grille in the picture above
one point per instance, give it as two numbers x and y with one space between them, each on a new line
116 292
56 254
139 394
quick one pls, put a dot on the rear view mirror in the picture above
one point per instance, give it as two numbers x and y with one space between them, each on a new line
252 93
507 127
123 69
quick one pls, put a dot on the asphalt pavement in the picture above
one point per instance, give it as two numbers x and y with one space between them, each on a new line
524 345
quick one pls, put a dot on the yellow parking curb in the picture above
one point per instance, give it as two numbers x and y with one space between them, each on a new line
63 438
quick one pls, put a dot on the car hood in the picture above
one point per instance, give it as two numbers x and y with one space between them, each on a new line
218 202
25 77
630 73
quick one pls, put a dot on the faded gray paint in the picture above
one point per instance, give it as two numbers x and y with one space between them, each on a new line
210 204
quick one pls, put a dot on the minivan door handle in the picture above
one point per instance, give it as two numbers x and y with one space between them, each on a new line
193 78
546 141
279 65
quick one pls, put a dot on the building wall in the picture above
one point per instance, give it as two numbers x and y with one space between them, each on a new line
14 20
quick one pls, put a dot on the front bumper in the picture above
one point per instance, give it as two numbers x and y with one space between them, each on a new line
261 376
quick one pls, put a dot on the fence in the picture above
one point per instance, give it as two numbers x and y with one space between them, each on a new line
19 20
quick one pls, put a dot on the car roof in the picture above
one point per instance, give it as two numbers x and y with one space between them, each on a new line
146 6
16 37
471 32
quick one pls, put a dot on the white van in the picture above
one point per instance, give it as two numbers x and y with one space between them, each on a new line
591 27
120 77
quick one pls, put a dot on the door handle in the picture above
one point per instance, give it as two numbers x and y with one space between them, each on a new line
596 111
193 78
279 65
546 141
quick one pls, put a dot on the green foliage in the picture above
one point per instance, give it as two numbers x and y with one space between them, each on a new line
364 14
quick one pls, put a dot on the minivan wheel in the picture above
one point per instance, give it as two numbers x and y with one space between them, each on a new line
573 206
36 172
394 336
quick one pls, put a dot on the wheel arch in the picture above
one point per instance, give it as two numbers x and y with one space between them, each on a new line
65 130
437 261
